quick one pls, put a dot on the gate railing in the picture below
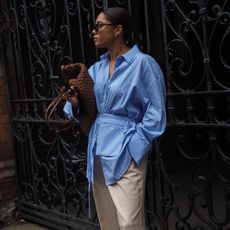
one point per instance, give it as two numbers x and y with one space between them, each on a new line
188 175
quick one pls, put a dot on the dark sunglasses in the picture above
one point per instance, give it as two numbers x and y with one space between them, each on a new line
98 26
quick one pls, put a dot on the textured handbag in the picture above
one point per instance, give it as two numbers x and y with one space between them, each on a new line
77 78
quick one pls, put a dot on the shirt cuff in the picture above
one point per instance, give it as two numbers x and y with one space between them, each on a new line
138 147
68 110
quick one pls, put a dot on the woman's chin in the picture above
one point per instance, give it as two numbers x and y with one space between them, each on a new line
98 45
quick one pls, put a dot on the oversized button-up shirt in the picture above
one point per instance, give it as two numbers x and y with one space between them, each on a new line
131 112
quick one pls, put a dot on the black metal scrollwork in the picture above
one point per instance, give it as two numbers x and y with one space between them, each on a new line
188 177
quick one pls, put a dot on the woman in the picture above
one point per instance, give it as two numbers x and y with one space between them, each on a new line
130 95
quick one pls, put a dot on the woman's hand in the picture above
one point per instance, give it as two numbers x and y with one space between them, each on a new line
73 99
70 96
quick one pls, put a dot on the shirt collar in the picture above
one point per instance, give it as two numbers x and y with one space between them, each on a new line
128 56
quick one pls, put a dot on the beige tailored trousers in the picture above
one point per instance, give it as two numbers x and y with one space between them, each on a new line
121 206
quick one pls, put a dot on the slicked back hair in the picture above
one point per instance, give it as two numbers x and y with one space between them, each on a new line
120 16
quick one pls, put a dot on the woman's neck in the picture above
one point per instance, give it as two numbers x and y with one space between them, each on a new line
117 50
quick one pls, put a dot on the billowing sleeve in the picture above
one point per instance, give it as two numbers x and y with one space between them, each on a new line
152 93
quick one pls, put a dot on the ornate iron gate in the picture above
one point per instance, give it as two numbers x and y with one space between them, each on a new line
188 184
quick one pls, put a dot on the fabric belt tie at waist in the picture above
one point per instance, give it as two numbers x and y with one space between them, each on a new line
115 119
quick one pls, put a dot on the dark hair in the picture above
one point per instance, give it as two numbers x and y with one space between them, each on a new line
120 16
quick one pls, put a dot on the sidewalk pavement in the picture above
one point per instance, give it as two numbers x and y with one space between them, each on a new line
24 226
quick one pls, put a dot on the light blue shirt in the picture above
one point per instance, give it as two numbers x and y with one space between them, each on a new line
69 111
131 112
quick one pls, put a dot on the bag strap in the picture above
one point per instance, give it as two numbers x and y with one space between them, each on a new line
51 109
52 106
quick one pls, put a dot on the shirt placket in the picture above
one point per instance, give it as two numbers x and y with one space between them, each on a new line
108 82
105 95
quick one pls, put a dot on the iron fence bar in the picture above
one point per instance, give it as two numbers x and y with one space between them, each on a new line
188 145
69 35
28 45
147 26
198 93
81 31
12 7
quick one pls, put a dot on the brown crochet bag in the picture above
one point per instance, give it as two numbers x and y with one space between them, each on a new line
76 76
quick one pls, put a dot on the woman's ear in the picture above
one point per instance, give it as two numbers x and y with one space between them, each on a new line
118 31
